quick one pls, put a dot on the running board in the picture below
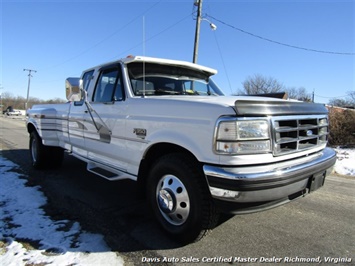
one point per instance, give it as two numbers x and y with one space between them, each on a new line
108 173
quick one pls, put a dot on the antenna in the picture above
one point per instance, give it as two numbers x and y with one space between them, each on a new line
143 57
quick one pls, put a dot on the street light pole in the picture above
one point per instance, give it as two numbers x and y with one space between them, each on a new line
29 82
197 32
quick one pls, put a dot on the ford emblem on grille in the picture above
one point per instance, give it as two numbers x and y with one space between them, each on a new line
309 133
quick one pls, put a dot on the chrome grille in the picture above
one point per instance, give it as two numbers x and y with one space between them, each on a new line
294 134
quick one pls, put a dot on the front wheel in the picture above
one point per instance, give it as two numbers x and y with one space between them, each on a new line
178 195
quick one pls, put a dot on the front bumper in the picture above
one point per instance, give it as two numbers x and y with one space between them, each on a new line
271 184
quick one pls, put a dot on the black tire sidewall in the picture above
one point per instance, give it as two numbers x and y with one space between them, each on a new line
38 161
47 157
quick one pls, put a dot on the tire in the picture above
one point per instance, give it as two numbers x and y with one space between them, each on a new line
44 157
179 198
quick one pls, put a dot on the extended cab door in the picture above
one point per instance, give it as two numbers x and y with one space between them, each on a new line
105 124
76 123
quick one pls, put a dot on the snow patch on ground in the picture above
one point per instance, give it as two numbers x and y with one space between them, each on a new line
24 224
345 164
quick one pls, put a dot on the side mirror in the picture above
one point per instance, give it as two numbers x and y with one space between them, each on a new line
73 92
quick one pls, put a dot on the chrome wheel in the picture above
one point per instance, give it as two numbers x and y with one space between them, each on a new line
173 200
179 198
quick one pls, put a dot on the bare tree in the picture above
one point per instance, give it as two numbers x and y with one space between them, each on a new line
349 101
351 95
259 84
18 102
300 94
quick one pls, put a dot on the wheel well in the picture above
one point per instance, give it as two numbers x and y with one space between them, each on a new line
153 154
30 128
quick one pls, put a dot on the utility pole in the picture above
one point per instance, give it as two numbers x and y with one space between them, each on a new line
313 96
29 82
197 32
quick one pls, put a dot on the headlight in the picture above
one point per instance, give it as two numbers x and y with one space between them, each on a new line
243 137
258 129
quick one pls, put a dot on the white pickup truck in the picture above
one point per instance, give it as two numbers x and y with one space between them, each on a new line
193 151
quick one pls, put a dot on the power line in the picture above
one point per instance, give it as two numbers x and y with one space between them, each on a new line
224 65
107 37
277 42
327 97
152 37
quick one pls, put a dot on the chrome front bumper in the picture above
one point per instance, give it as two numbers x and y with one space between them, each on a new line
272 182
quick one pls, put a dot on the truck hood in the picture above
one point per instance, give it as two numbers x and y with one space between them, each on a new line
252 105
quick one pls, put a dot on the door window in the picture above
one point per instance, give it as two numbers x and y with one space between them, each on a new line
87 77
109 86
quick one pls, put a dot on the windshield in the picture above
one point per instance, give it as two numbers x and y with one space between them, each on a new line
170 80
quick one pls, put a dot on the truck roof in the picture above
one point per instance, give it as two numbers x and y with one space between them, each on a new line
185 64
